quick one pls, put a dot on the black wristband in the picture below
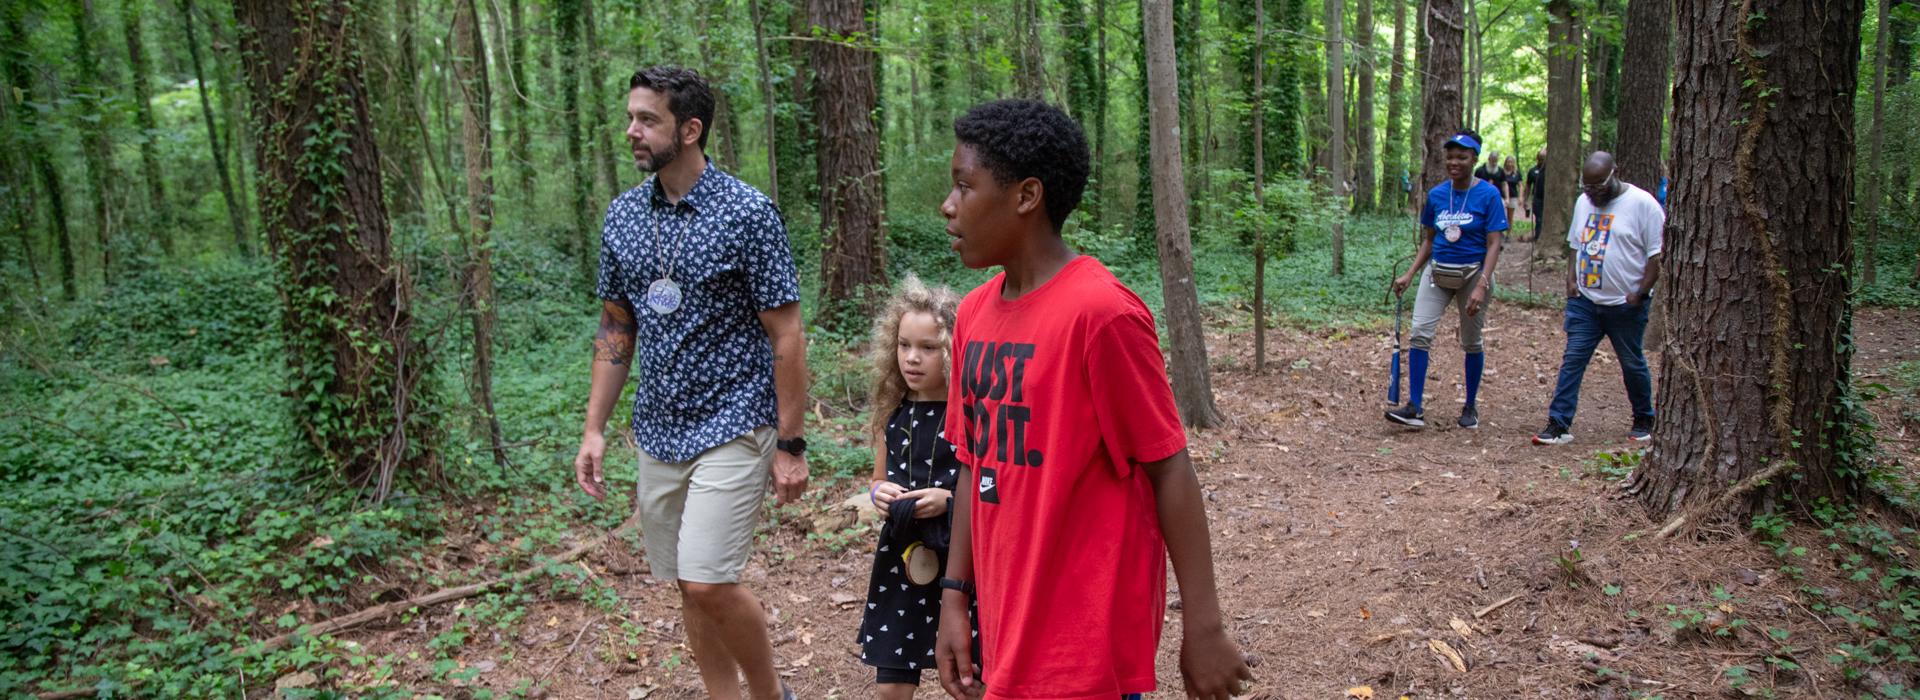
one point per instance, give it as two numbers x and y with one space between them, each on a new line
957 585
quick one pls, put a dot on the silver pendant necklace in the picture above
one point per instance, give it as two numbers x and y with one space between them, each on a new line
664 295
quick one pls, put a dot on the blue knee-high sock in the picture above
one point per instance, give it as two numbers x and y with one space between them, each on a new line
1416 376
1476 363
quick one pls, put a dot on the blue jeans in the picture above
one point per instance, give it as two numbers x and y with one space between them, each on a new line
1586 324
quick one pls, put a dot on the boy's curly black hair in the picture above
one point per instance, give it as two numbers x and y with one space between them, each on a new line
688 96
1018 139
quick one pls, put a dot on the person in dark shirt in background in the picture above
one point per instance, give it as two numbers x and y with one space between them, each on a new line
1536 191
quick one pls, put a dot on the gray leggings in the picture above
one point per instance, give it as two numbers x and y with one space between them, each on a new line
1430 303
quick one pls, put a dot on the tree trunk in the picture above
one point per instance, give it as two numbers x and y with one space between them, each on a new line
142 76
1284 113
1417 109
1754 378
1364 176
1100 113
566 18
724 127
1476 67
401 115
95 142
237 136
1337 126
767 100
1440 95
345 300
1031 81
1083 92
16 176
476 132
853 263
1562 166
1192 388
519 144
1394 159
34 145
1644 88
599 133
1259 108
1601 64
242 242
1874 174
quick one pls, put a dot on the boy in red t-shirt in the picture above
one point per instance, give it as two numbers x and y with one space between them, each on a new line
1077 476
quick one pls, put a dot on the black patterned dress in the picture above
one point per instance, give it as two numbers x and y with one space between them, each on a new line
901 619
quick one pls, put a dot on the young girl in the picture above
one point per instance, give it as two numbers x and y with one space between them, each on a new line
914 472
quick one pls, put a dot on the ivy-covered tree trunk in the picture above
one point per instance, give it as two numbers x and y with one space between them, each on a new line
96 144
1562 166
584 237
16 178
1394 159
1284 112
519 144
1440 91
33 143
345 317
1755 377
598 132
1192 386
853 263
1364 176
142 76
1083 81
1337 126
476 138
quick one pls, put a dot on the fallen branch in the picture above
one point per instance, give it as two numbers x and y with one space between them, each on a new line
356 619
1498 604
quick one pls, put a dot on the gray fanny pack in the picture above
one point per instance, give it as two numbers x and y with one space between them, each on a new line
1451 276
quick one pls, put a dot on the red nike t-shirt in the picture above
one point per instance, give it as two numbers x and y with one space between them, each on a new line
1055 399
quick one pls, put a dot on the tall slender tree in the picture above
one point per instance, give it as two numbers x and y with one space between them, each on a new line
767 102
236 217
599 133
1337 125
1871 203
1030 78
853 263
1644 88
1364 176
585 238
141 74
1562 166
345 313
1603 64
1757 368
19 77
1417 109
1440 88
1192 387
476 274
1259 109
519 126
1393 159
1083 82
96 126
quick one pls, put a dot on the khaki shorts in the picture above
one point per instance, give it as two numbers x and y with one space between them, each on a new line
698 517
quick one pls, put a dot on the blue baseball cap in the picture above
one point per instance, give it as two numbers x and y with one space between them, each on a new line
1464 141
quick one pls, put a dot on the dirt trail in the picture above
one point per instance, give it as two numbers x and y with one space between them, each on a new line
1343 545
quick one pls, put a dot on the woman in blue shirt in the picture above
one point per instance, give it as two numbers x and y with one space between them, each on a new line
1462 224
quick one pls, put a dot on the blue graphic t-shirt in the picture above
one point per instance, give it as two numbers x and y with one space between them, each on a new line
1477 212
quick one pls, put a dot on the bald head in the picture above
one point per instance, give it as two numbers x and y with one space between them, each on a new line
1597 180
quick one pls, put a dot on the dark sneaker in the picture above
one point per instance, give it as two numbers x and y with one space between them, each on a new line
1469 418
1408 415
1642 429
1554 434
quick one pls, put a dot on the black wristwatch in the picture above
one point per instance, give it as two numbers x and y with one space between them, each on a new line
796 446
953 584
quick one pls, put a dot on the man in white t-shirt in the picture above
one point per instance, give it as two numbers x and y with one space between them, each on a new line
1616 234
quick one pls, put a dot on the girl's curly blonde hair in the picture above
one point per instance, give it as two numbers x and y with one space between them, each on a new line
912 296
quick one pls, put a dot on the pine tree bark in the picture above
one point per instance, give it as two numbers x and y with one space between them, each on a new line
852 256
1875 175
142 74
1394 159
1644 88
345 300
1192 387
476 131
1562 166
1440 93
1364 175
96 143
242 242
1337 125
1759 357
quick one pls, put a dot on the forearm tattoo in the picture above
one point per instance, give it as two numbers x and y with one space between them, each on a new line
613 342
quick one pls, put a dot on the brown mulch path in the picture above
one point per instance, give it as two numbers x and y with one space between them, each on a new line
1343 545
